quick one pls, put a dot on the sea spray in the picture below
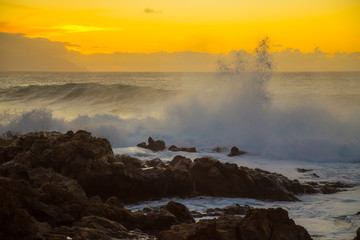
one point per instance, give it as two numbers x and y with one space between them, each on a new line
232 107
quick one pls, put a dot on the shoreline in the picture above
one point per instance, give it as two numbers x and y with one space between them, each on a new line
76 168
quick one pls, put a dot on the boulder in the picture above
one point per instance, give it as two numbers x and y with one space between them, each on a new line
235 152
257 224
174 148
153 145
357 237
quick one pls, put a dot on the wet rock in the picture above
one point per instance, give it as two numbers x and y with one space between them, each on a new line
270 224
235 152
179 211
357 237
80 163
257 224
15 221
213 178
174 148
303 170
156 162
153 145
130 161
180 162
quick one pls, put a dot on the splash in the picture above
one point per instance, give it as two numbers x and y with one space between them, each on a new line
233 108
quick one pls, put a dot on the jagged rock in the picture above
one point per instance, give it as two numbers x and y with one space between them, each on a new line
214 178
235 152
179 211
153 145
128 160
357 237
257 224
303 170
90 163
174 148
229 210
156 162
180 162
270 224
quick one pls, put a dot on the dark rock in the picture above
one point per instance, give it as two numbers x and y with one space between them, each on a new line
303 170
270 224
128 160
142 145
156 162
213 178
235 152
174 148
15 221
357 237
229 210
257 224
180 162
76 161
153 145
179 211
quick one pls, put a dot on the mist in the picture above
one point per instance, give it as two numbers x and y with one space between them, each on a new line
234 108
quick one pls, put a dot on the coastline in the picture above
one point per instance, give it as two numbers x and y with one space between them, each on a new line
68 172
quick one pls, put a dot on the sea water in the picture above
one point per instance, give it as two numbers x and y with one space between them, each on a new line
307 120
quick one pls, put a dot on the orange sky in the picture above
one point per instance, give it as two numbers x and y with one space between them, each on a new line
213 26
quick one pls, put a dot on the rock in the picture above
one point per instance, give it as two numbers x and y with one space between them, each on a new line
128 160
86 166
235 152
229 210
357 237
257 224
174 148
303 170
179 211
153 145
180 162
213 178
156 162
15 221
157 145
270 224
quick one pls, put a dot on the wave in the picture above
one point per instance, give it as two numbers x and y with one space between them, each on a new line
88 92
233 109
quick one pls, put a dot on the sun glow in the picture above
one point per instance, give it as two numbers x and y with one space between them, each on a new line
201 26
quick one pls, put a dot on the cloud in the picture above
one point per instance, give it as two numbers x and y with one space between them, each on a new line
79 28
19 53
150 10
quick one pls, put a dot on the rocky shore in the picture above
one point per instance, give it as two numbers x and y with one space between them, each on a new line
71 186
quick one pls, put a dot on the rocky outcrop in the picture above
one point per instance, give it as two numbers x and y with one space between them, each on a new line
36 157
257 224
357 237
174 148
235 152
55 211
153 145
216 212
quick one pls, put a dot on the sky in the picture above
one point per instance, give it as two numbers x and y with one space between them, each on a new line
89 27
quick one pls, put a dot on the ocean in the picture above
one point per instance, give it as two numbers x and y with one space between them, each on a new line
284 121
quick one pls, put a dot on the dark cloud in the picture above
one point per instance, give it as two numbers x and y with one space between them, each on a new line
19 53
150 10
